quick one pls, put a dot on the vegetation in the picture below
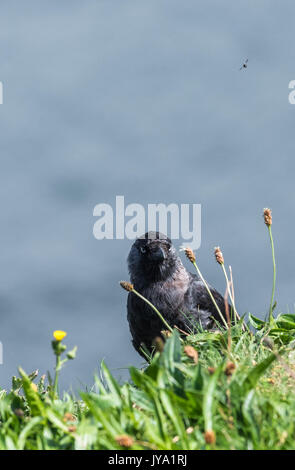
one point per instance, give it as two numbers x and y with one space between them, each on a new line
227 389
194 394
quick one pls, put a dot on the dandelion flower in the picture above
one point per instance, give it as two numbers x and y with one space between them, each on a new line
59 335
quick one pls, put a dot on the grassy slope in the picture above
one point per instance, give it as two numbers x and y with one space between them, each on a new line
170 405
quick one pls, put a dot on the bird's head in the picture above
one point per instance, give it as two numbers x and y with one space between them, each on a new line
152 258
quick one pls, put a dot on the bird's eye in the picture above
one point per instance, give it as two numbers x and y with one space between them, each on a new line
142 249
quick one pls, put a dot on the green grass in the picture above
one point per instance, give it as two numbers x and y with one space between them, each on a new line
234 390
170 404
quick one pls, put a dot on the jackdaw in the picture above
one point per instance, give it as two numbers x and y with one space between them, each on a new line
157 273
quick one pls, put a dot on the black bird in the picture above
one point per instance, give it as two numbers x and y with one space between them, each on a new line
245 64
157 273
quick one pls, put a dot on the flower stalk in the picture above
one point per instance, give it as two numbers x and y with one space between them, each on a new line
220 260
59 348
267 214
191 256
130 288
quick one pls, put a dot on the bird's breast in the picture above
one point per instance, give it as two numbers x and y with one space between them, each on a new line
169 294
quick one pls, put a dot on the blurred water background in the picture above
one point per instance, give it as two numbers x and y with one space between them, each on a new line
143 99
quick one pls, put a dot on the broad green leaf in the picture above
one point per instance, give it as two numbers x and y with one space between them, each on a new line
286 321
33 423
86 435
56 420
36 405
171 356
198 380
108 420
256 322
112 384
208 402
172 351
248 415
256 372
173 413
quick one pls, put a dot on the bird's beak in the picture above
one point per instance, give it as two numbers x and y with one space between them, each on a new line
158 255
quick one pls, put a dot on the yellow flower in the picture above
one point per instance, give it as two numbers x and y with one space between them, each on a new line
34 387
59 335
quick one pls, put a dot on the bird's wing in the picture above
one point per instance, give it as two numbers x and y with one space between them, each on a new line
144 325
199 302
